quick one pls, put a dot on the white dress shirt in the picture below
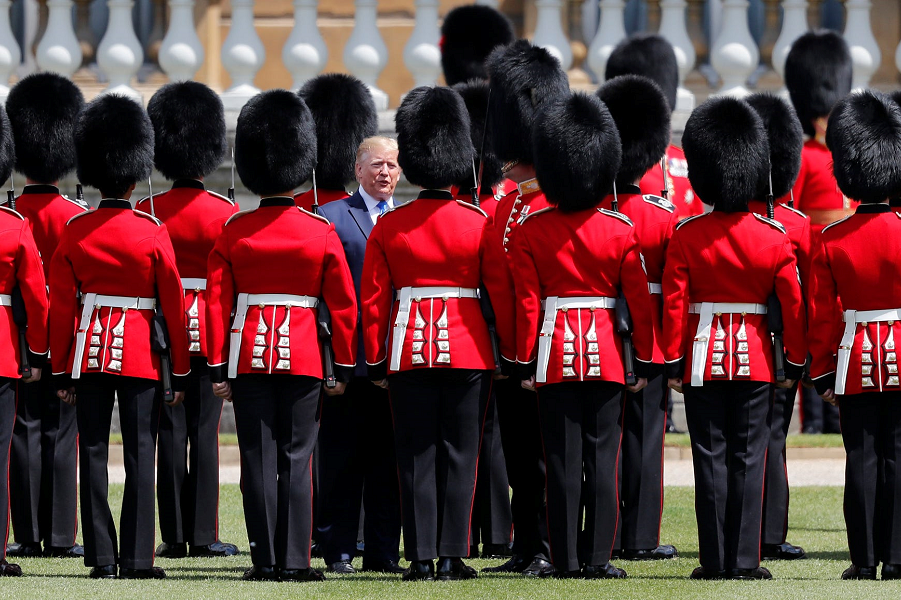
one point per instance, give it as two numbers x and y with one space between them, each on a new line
372 205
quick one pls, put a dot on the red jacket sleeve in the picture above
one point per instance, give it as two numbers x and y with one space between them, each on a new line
64 308
825 329
377 296
172 301
528 299
634 284
794 316
340 297
499 283
805 256
219 304
675 305
30 276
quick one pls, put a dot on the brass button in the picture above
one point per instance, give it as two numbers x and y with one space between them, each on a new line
506 240
517 201
125 309
418 299
864 323
890 323
510 220
564 309
196 290
719 314
261 305
507 230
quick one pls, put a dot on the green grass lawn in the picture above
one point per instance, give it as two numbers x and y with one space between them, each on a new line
816 524
796 440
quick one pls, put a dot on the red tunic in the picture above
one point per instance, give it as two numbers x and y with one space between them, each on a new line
194 218
797 226
815 192
280 249
305 199
570 255
487 202
731 257
680 193
20 266
47 212
115 251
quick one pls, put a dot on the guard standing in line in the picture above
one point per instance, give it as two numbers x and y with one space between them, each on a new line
524 78
122 263
20 269
855 364
43 109
721 269
785 140
269 267
189 144
642 117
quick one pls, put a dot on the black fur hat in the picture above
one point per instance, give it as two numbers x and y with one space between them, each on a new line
524 78
7 147
785 138
728 155
434 145
649 55
113 144
468 35
864 136
818 72
577 152
642 116
189 130
275 143
345 115
475 96
43 109
896 96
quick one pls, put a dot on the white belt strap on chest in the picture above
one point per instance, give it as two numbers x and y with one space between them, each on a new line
405 297
91 301
245 300
193 283
707 310
852 318
551 305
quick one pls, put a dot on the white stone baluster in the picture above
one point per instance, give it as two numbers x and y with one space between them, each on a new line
119 54
491 3
421 54
10 54
549 32
305 53
734 55
864 49
794 25
243 55
181 52
674 29
59 50
365 54
611 31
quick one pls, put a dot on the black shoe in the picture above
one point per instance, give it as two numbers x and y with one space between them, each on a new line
342 567
607 571
855 572
76 551
454 569
11 569
516 564
890 571
749 574
29 550
165 550
256 573
383 566
707 574
540 568
308 574
663 552
496 551
215 550
784 551
103 572
420 570
577 574
151 573
316 550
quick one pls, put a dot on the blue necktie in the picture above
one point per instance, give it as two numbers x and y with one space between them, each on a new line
382 206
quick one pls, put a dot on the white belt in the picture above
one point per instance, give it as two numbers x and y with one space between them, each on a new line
6 300
702 337
193 283
655 288
551 305
405 297
852 318
91 301
245 300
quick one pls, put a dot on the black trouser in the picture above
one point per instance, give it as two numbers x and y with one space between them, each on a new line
43 460
775 486
357 465
581 429
871 429
438 417
729 426
641 465
517 411
189 496
818 415
492 521
277 418
7 422
139 409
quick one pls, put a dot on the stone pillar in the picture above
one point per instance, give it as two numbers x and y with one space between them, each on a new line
243 55
120 54
673 28
365 54
734 55
59 51
181 52
859 34
549 32
304 53
611 31
794 25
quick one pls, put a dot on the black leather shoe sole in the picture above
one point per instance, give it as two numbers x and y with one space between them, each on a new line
514 565
151 573
215 550
104 572
341 568
750 574
76 551
165 550
24 550
10 569
260 574
664 552
540 568
391 568
308 574
855 572
700 573
890 571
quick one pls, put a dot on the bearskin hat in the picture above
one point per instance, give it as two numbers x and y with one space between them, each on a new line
43 109
468 35
524 78
649 55
275 143
577 152
785 138
642 116
189 130
7 147
113 144
475 97
818 72
434 145
345 115
864 136
896 96
728 155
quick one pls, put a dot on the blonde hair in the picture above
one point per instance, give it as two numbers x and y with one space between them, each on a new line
376 142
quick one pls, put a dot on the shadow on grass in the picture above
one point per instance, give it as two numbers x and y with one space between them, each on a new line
838 555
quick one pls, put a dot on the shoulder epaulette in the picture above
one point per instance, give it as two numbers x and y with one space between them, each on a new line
239 214
76 202
794 210
12 212
87 212
616 215
688 219
770 222
659 202
472 207
314 215
837 222
221 197
546 209
396 206
141 213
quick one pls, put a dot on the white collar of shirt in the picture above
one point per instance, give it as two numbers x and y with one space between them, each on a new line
372 205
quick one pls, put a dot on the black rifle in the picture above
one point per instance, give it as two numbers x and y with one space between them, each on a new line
774 307
491 321
79 192
624 329
324 329
20 315
231 190
159 343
